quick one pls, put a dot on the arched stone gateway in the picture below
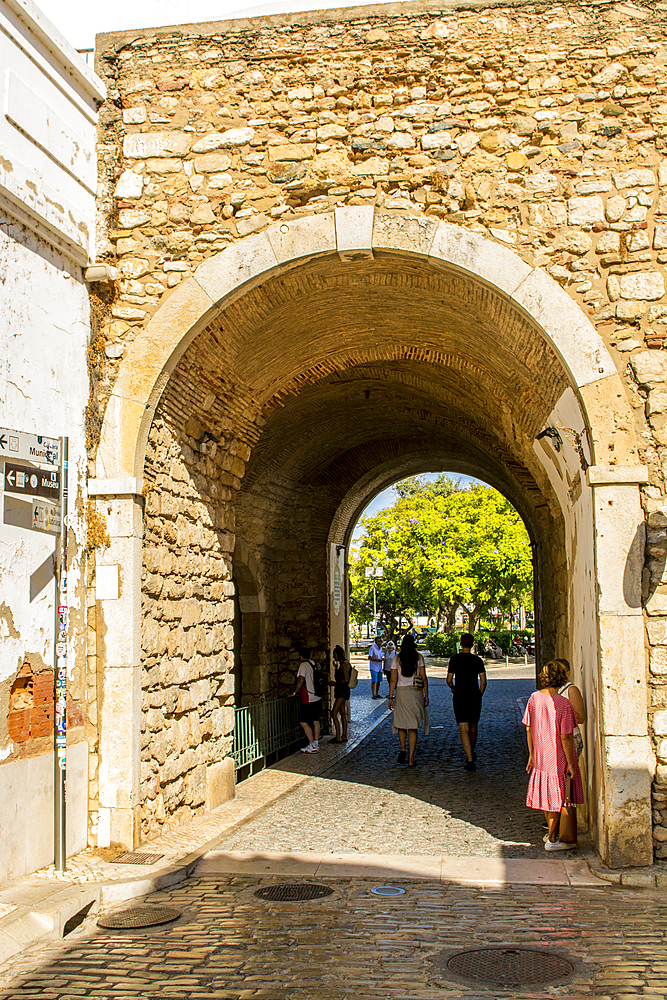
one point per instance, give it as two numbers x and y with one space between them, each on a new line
293 377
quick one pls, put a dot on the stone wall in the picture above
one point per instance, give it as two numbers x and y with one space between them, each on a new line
542 126
187 714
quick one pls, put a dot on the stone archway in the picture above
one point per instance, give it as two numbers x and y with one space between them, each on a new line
268 301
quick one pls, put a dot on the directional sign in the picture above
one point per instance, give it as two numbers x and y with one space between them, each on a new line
35 482
45 517
30 447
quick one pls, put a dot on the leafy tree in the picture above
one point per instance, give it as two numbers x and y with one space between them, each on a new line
442 546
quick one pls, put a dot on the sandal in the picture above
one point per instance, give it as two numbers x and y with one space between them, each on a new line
412 763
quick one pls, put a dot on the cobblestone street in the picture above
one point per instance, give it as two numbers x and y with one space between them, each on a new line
354 946
367 802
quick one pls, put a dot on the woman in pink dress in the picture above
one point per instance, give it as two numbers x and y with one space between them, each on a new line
550 722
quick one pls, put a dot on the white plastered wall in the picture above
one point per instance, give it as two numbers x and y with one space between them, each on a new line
48 100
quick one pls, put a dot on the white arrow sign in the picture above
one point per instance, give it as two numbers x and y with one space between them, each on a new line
32 447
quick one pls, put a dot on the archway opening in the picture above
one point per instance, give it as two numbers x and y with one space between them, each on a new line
280 392
302 399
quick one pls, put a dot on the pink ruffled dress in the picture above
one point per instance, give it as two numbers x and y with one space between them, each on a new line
549 718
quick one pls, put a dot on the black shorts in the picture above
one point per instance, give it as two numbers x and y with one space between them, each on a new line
310 711
467 708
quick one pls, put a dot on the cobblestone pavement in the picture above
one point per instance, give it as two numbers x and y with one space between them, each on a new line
366 802
355 946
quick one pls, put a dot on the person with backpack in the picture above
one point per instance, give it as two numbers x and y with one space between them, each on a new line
310 706
341 686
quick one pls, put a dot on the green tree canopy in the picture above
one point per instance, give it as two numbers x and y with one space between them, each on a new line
442 546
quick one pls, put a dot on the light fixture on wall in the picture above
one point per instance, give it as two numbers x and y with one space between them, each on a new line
554 436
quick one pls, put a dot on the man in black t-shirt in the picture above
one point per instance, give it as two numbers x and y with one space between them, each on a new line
466 676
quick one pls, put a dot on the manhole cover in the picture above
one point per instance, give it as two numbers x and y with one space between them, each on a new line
136 858
287 892
387 890
139 916
509 966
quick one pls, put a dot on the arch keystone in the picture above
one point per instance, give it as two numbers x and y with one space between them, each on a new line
412 233
295 242
354 232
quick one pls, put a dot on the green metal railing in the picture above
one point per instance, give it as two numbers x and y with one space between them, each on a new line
264 728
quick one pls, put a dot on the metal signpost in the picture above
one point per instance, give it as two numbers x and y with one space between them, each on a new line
48 515
374 571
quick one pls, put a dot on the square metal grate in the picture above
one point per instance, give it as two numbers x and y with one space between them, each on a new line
137 858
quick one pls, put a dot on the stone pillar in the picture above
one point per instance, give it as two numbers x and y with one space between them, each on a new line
118 613
624 752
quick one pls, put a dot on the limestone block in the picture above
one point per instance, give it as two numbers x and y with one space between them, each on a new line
642 285
615 208
326 132
649 367
165 165
218 182
400 232
608 242
659 722
609 76
295 241
585 211
401 140
658 658
620 535
660 237
573 336
130 185
376 166
628 768
239 266
354 232
135 116
212 163
436 140
245 227
547 214
120 722
224 140
623 688
460 250
637 177
129 218
202 215
220 783
142 145
291 153
420 111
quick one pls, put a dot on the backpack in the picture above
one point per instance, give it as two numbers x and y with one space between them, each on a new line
319 682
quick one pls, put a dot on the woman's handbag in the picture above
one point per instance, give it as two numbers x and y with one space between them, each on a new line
418 680
567 832
354 677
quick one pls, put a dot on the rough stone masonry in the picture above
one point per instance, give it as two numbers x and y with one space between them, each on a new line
542 126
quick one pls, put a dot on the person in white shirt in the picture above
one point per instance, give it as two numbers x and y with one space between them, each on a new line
375 661
310 704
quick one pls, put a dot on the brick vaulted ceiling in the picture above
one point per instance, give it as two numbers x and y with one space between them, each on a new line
335 368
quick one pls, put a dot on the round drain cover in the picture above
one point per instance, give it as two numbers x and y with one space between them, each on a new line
288 892
387 890
139 916
509 966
